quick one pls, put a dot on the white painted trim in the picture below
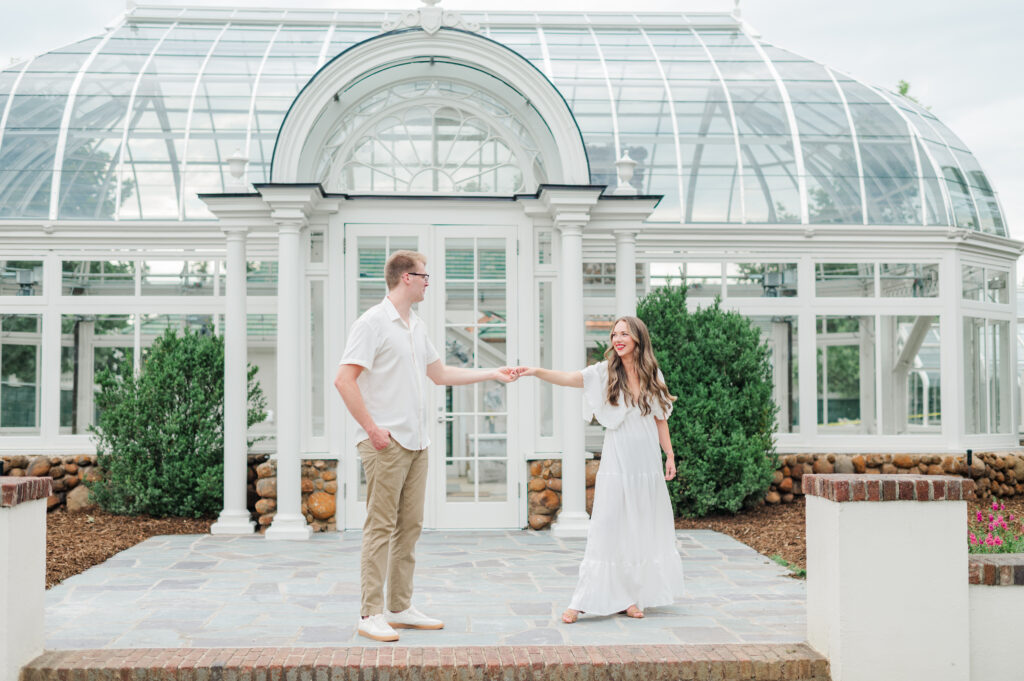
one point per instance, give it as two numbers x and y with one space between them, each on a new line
453 46
915 137
856 145
188 121
322 57
735 130
675 123
10 101
128 122
255 91
69 105
545 53
794 131
612 100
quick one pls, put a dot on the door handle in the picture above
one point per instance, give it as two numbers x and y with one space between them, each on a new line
442 419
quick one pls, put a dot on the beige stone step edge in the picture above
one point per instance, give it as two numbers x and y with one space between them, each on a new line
742 662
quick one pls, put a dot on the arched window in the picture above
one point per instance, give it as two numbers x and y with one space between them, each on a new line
426 136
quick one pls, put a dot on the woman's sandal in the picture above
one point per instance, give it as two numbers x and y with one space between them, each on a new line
633 611
570 616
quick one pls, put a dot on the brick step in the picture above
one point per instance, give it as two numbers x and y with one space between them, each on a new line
743 662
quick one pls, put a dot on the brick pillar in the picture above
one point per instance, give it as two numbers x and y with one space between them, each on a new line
22 571
886 575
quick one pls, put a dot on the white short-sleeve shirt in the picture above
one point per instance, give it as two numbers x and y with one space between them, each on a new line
394 381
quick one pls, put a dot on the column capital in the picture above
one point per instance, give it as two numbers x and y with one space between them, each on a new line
290 225
234 232
626 235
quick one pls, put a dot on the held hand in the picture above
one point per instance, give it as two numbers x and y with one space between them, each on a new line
380 438
505 374
526 371
670 468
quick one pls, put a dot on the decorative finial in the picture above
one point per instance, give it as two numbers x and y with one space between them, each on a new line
625 167
237 163
431 19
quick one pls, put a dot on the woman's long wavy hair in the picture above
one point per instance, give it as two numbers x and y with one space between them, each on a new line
652 387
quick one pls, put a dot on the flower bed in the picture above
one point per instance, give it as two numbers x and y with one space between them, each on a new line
994 532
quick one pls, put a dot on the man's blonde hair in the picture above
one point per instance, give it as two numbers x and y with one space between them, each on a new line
399 263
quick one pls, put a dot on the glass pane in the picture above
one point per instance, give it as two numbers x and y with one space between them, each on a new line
846 374
996 289
909 280
491 259
492 480
317 365
98 278
544 247
545 402
459 258
976 361
780 334
460 476
316 247
20 341
178 277
999 385
701 278
371 255
911 374
21 277
973 278
844 280
261 278
760 280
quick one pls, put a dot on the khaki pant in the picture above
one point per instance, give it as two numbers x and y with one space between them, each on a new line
396 484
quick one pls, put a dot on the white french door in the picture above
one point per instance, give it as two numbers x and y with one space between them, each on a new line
473 480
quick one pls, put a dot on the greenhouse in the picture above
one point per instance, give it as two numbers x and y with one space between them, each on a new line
246 172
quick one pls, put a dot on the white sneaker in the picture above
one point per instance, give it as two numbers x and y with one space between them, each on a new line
377 628
411 618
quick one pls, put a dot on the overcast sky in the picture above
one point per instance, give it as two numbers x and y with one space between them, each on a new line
963 59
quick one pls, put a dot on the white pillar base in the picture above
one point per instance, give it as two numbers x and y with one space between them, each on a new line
571 524
288 527
233 522
22 584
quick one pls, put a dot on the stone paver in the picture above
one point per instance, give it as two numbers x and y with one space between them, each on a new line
491 588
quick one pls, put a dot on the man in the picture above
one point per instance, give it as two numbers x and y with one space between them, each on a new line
381 380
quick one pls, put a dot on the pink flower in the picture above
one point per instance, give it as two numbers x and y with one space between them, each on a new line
995 506
991 517
981 518
974 539
1002 506
1011 518
998 541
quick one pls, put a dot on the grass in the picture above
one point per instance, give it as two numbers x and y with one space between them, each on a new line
794 570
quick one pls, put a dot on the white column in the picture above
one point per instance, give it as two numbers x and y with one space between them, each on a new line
572 519
625 273
234 517
289 523
22 572
870 619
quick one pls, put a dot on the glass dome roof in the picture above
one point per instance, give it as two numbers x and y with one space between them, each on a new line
132 124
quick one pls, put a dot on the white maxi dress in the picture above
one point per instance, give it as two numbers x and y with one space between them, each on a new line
631 555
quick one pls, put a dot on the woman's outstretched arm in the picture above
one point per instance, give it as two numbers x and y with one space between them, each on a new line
570 379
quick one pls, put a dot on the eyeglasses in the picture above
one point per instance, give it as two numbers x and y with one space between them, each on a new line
426 277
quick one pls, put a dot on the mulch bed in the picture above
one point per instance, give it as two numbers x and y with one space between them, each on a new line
780 530
74 543
77 541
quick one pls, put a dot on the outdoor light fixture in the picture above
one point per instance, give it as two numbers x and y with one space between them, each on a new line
771 281
26 282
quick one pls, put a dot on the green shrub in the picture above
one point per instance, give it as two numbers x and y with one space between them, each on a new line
723 423
160 436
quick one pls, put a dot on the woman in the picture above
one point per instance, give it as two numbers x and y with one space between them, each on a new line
631 561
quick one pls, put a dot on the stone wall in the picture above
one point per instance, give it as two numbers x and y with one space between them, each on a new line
319 492
545 490
998 474
67 473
